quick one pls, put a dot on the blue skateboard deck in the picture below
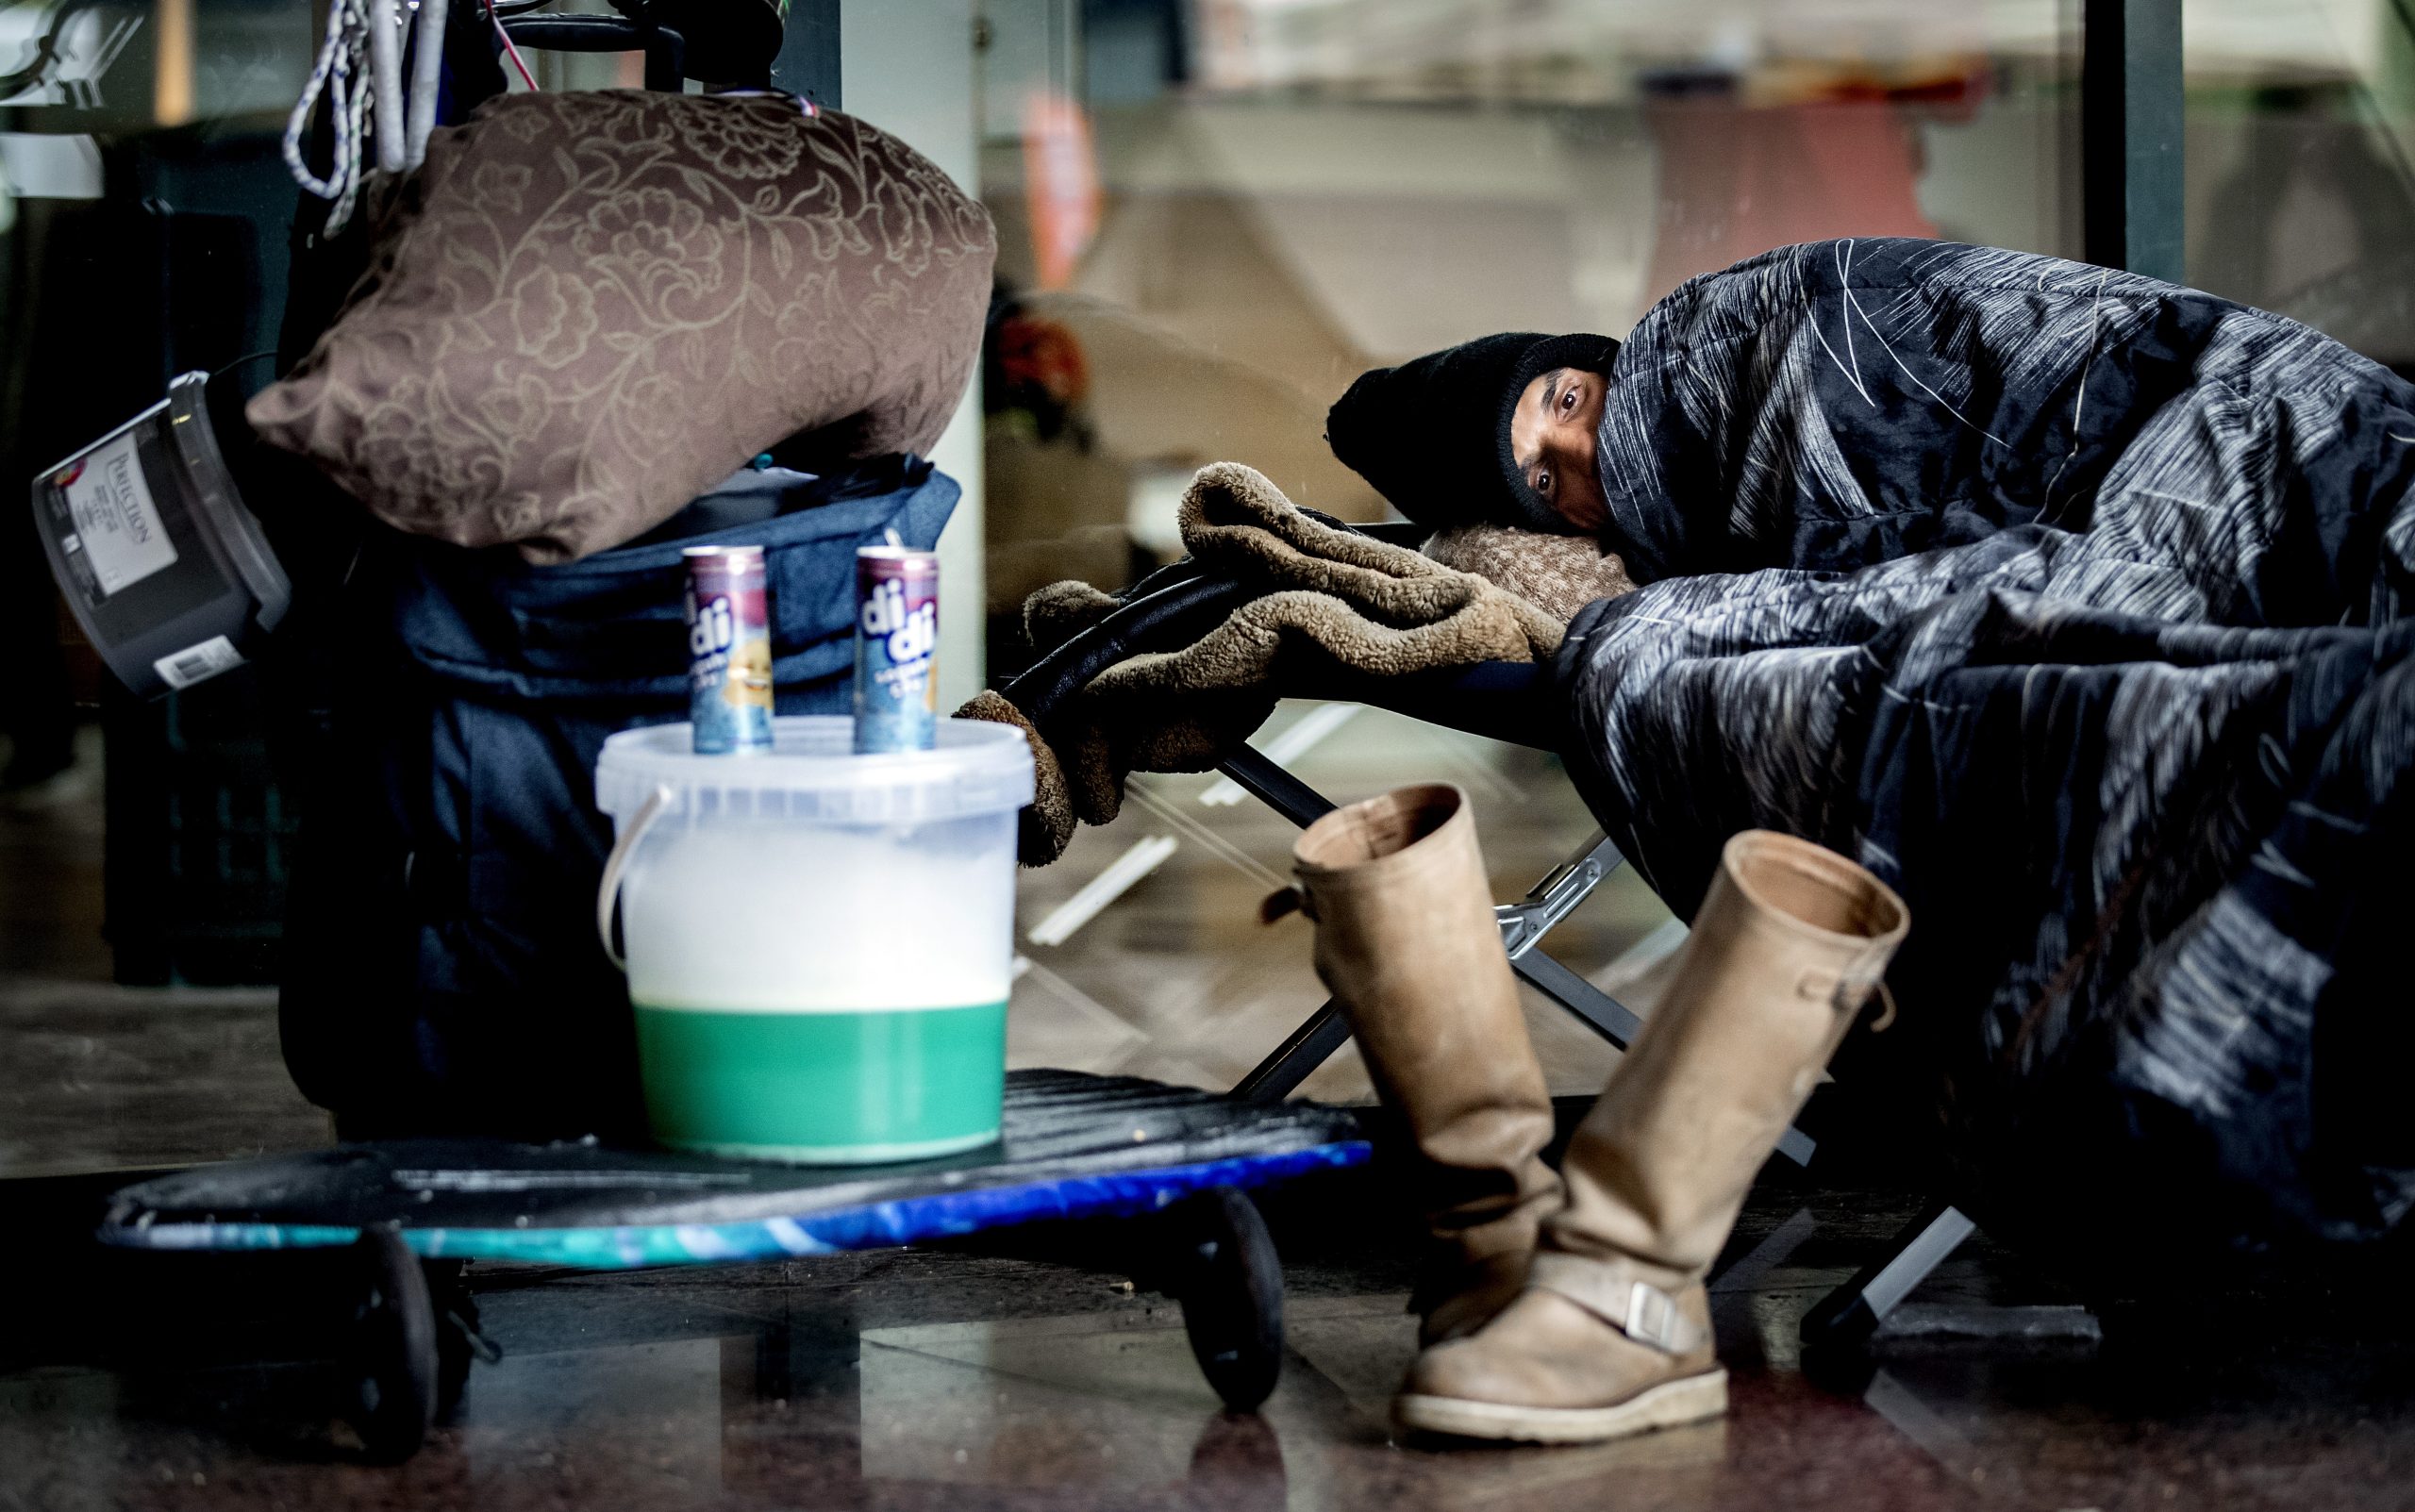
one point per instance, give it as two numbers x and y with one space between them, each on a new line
1073 1146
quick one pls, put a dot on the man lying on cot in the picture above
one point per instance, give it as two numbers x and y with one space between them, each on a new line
2070 605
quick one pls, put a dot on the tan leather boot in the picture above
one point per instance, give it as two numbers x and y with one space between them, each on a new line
1406 942
1613 1335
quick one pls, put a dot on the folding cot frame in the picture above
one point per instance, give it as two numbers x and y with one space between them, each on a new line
1846 1316
1499 701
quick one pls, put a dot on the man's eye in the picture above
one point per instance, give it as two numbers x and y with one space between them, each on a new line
1567 400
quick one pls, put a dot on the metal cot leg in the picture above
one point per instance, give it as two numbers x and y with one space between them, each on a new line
1296 1058
1853 1312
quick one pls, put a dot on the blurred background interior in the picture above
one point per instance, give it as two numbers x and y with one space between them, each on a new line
1213 215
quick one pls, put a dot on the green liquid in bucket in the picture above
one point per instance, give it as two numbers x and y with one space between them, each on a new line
822 1086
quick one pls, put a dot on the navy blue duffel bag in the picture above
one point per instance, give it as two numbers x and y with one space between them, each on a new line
442 973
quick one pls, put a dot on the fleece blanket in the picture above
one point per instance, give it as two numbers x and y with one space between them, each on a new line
1316 592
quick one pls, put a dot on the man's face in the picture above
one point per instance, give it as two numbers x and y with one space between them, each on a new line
1551 439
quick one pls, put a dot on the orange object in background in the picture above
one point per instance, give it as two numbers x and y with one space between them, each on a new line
1797 152
1060 185
1040 358
171 64
1737 180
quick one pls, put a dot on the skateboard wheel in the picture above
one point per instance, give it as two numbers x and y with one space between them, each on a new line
458 1340
1231 1287
389 1362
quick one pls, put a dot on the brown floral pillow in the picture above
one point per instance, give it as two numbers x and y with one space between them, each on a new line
587 308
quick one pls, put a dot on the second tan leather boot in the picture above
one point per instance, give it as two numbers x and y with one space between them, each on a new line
1612 1334
1407 945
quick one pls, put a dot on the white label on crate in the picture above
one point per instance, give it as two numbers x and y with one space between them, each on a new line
193 663
120 526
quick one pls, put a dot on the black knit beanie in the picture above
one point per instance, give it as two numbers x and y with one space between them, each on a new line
1433 435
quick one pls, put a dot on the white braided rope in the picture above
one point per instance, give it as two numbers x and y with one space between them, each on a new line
338 76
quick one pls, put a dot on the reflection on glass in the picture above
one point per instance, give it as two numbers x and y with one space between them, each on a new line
2301 164
1290 191
144 218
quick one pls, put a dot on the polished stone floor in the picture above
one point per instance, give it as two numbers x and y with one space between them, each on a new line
97 1076
974 1379
1029 1371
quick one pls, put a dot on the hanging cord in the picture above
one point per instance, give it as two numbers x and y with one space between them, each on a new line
508 47
427 71
402 119
216 374
336 75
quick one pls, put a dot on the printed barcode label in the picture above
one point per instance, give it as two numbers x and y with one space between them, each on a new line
184 668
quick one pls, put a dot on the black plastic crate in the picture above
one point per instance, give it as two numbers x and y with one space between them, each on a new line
200 838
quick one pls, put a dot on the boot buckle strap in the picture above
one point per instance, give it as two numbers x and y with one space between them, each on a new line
1640 1311
1652 1317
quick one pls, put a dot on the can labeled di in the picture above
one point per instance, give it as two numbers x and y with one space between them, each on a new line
729 650
897 635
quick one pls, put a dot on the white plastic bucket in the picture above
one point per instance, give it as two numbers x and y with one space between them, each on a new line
820 944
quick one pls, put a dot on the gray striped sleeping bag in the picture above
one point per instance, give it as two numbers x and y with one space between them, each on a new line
2076 606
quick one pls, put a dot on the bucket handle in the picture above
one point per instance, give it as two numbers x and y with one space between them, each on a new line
607 891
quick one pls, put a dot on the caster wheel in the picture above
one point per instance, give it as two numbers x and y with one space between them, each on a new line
1232 1289
390 1369
459 1337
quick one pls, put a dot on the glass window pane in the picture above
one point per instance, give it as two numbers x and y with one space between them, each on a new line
1215 214
2301 119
